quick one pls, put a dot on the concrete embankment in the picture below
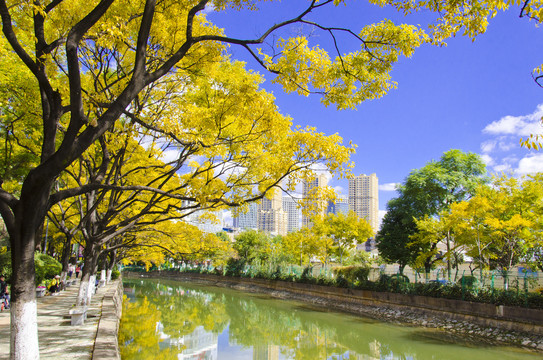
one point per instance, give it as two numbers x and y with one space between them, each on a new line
106 345
480 322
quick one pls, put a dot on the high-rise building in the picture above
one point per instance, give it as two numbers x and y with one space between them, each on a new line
271 217
312 201
293 214
266 352
340 205
247 220
364 198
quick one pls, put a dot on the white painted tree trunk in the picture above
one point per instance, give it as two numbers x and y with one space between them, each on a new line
108 276
63 276
83 292
24 331
92 288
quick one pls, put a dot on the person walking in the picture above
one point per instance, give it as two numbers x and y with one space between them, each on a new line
4 292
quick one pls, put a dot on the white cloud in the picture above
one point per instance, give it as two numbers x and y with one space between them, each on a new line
339 189
501 150
388 187
487 159
488 146
517 125
502 168
508 145
208 9
530 164
170 155
382 214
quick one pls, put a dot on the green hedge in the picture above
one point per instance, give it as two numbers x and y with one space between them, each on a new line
357 278
46 267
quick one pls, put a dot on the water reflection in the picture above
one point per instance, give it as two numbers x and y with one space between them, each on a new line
172 320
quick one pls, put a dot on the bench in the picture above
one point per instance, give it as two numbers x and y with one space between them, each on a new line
40 291
78 315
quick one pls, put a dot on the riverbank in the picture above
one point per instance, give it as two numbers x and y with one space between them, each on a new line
486 329
96 339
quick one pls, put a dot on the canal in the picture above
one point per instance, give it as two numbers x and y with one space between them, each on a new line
164 319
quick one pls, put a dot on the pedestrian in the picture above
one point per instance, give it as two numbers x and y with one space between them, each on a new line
4 292
77 271
54 286
71 269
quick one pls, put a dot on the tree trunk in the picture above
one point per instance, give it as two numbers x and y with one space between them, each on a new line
65 260
90 256
28 215
449 269
23 314
111 265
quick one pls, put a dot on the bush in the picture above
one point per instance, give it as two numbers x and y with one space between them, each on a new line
468 281
115 273
352 274
234 267
5 265
46 267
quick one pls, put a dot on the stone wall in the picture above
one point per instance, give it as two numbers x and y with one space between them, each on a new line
106 345
508 318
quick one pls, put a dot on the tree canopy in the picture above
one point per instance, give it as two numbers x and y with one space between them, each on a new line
75 70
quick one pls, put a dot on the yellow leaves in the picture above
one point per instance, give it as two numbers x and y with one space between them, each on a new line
350 78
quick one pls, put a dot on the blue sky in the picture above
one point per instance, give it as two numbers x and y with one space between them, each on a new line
474 96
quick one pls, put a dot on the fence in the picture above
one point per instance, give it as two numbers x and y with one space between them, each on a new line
519 280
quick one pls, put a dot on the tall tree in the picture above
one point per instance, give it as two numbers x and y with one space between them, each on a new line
346 230
90 62
393 238
429 191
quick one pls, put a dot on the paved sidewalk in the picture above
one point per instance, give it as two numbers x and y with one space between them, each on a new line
58 339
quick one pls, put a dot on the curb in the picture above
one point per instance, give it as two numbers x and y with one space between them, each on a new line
106 344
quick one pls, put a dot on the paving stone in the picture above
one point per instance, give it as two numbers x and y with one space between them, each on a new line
58 339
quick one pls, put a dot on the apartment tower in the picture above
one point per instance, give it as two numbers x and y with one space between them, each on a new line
311 198
271 217
364 198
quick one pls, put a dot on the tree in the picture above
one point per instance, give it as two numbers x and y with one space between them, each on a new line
393 238
471 229
251 245
513 219
430 191
92 63
346 230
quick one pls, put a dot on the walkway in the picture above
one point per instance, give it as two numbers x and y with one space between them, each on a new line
58 339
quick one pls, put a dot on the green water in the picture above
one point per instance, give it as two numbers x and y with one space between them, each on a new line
183 321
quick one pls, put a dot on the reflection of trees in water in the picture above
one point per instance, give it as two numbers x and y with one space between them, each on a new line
300 333
138 337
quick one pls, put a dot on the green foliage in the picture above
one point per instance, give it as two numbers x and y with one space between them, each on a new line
234 267
115 274
428 191
468 281
352 274
46 266
5 265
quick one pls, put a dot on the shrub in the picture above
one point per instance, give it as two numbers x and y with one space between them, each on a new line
234 267
46 267
353 273
5 265
468 281
115 273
